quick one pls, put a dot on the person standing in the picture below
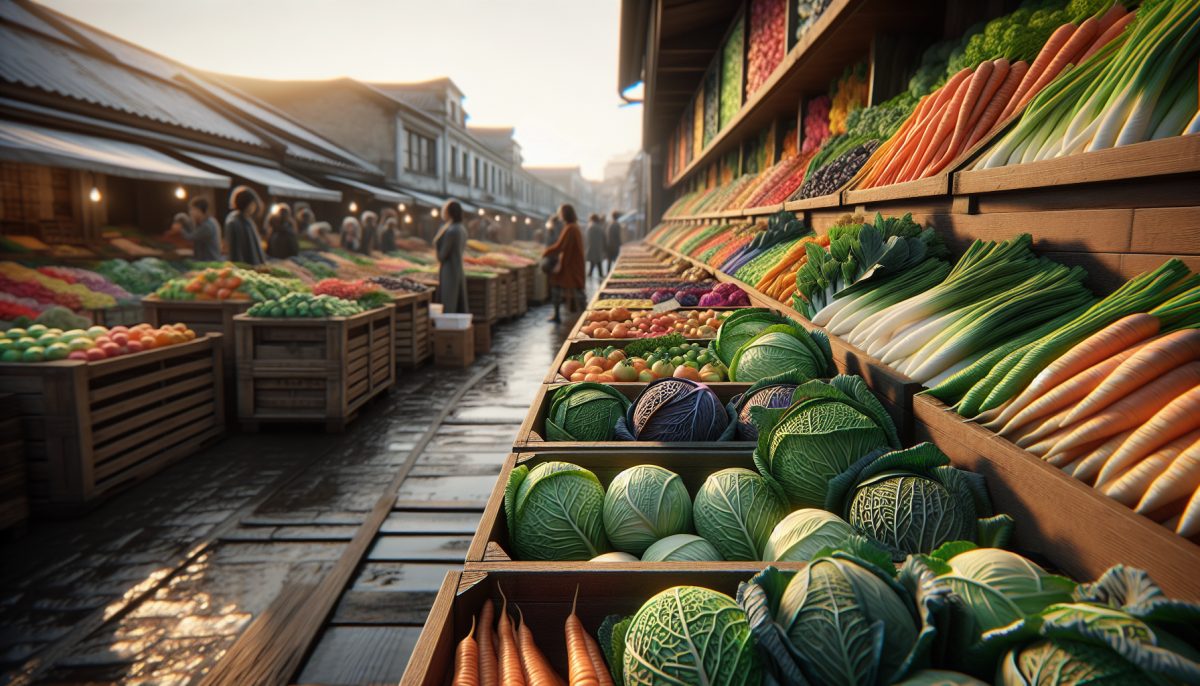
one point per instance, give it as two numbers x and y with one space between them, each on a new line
553 229
350 236
596 248
319 233
388 234
568 275
450 242
369 242
613 239
201 229
241 233
282 239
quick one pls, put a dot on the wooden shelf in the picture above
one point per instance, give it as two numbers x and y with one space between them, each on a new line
842 35
1059 518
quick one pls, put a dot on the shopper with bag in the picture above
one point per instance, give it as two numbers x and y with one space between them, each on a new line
567 274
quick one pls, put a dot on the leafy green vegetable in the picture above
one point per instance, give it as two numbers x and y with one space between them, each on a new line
940 677
829 427
611 637
912 501
644 504
802 534
780 349
736 510
690 635
682 547
741 326
554 512
585 411
676 410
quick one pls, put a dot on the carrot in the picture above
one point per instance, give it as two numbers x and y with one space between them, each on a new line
1045 445
1090 466
993 113
1107 36
1049 51
1178 417
597 655
1160 356
1129 487
1113 14
1062 396
1078 44
1040 430
923 121
937 134
1132 410
580 670
511 672
489 673
466 660
1189 522
537 669
983 86
1066 457
1180 480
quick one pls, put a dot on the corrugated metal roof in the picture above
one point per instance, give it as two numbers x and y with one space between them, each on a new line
277 182
11 11
384 194
45 65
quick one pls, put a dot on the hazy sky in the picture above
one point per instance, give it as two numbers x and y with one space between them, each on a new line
548 67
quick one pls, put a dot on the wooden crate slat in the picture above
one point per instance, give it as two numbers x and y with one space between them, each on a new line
165 417
201 421
108 412
146 415
163 375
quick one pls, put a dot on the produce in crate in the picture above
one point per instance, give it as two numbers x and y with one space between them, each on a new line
772 393
226 283
23 282
741 327
653 358
305 305
802 534
736 510
676 409
782 349
644 504
39 343
585 412
623 323
681 548
555 512
732 73
768 41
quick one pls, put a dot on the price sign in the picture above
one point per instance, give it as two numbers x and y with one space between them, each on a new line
667 306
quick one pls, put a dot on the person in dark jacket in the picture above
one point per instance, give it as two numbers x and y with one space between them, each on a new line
319 233
596 247
450 243
350 236
241 233
201 229
369 242
554 227
568 276
389 234
613 239
282 239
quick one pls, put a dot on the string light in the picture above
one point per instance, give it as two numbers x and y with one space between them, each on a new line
433 213
481 211
180 192
528 221
402 207
408 219
514 219
353 206
94 195
497 218
275 209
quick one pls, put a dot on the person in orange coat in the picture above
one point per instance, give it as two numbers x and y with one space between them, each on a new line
568 274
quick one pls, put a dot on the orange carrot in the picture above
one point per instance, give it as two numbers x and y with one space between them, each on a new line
1062 396
1107 36
1053 46
1189 522
597 655
1043 447
1111 16
1132 410
1178 417
1071 51
511 672
538 671
1128 488
994 73
489 672
1101 345
936 134
1180 480
580 670
912 146
1090 466
466 660
1065 457
1158 357
1038 431
993 113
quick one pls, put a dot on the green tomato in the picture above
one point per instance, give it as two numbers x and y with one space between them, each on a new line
692 355
57 351
47 339
15 333
10 355
37 330
677 360
25 343
35 354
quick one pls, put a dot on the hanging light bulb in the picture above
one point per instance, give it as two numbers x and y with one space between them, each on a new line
353 206
408 219
496 218
528 221
433 213
481 211
514 219
402 207
94 195
180 192
275 209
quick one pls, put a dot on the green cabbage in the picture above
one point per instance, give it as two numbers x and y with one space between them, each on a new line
740 327
642 505
781 349
940 677
829 427
736 510
554 512
584 411
682 547
799 536
912 501
690 635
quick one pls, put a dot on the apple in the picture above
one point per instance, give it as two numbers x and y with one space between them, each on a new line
119 337
80 355
646 376
135 346
110 349
95 354
622 371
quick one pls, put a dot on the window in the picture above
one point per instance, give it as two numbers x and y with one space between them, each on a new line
454 160
478 175
465 166
422 157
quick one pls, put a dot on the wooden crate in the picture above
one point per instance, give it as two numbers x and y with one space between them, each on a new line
490 547
521 295
541 286
528 277
504 305
414 330
575 347
1061 519
483 339
92 428
483 298
14 495
533 431
123 314
202 316
545 599
454 348
313 370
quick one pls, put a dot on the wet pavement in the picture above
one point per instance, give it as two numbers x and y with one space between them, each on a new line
154 586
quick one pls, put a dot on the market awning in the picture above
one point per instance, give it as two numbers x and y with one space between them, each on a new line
39 145
426 199
278 183
384 194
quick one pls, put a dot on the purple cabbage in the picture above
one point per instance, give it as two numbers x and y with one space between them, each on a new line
771 397
674 409
687 299
661 296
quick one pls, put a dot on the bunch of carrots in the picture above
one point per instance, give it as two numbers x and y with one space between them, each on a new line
952 119
1121 412
509 656
780 282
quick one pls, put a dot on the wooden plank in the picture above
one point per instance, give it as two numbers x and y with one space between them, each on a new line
1171 230
418 522
193 430
182 412
148 379
1083 230
104 414
919 188
360 655
1057 516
